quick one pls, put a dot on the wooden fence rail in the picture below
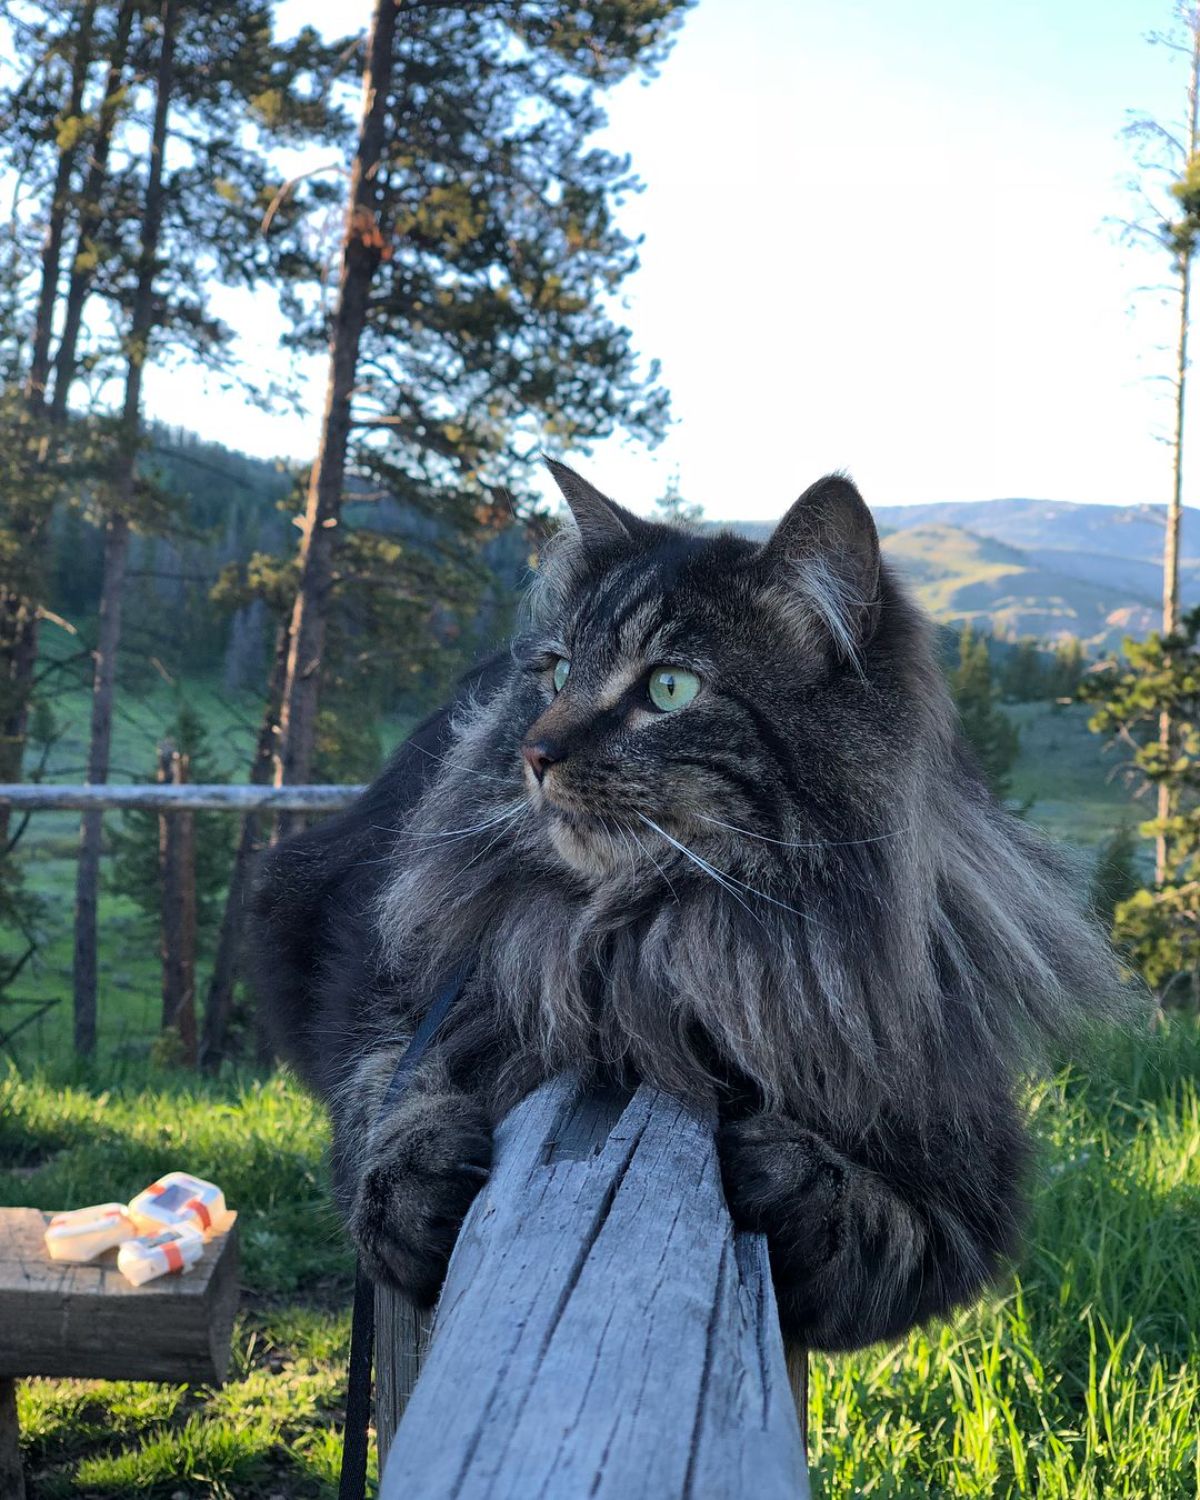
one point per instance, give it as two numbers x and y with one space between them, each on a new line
176 799
164 797
603 1333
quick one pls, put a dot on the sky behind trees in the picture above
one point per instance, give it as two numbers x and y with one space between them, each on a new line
877 238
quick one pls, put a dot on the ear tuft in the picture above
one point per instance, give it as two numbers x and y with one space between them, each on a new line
601 521
826 551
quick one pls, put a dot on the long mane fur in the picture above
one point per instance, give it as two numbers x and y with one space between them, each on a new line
917 934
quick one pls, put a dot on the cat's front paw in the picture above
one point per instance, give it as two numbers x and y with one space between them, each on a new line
420 1170
786 1182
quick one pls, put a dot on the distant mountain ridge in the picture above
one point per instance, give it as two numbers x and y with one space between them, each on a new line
1016 567
1045 568
1133 529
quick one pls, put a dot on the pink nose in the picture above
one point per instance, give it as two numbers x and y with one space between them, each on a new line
541 756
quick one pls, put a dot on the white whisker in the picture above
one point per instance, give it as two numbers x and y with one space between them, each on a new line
457 765
448 835
721 879
459 833
893 833
628 847
505 823
655 863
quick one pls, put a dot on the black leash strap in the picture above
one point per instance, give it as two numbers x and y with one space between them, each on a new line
355 1440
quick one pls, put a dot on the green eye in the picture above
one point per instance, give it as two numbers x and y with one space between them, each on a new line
562 670
672 687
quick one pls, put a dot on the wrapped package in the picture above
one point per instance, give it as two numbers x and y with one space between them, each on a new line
171 1252
179 1200
84 1233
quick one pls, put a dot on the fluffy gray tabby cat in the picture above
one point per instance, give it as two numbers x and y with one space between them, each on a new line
712 825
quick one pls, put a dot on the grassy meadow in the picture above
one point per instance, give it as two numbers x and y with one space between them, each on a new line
1079 1377
1067 781
69 1138
130 1006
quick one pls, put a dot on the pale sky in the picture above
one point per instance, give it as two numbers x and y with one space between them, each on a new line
875 239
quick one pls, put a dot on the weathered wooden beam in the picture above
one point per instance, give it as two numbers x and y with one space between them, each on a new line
195 797
87 1321
603 1333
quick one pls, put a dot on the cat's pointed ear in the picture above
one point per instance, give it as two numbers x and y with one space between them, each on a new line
826 549
601 521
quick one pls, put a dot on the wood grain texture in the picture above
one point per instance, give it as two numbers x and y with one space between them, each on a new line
401 1340
603 1332
88 1322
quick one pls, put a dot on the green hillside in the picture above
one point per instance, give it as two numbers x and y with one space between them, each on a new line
962 577
1035 567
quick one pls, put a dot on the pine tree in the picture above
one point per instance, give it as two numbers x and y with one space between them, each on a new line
133 871
480 231
72 133
990 732
1069 663
1156 925
1023 680
137 871
673 508
224 94
116 540
46 128
75 47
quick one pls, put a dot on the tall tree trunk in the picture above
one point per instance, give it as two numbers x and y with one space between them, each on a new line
116 550
361 246
1170 619
18 611
39 362
91 214
219 1000
18 658
87 870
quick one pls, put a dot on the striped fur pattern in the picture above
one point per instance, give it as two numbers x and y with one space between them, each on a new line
793 899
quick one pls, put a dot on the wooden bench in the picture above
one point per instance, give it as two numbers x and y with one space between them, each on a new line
603 1333
87 1322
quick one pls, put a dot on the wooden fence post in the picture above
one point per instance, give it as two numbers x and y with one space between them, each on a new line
603 1333
177 869
401 1342
12 1472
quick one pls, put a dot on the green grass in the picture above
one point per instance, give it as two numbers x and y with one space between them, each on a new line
66 1139
1079 1378
1071 784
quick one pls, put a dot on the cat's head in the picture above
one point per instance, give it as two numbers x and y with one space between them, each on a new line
696 688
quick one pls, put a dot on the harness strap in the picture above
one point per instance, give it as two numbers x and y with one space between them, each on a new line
352 1484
